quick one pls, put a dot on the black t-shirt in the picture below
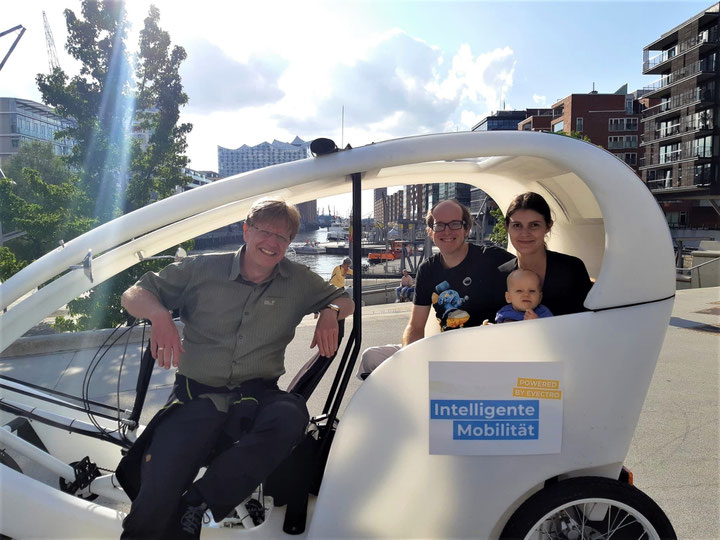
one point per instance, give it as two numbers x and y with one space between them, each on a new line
466 294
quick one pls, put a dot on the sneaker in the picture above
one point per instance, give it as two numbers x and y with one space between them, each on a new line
191 520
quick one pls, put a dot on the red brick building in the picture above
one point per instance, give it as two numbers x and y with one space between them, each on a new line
608 120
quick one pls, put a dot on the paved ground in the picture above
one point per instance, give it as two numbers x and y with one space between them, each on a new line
674 454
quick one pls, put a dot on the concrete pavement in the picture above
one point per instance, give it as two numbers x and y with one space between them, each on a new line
674 454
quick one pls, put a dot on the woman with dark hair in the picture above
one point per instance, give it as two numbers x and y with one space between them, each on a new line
565 280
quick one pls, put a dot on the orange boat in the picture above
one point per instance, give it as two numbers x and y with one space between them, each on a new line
394 253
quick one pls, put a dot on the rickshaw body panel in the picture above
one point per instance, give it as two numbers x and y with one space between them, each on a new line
380 466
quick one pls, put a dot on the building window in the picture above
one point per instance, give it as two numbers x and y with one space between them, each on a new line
630 158
579 123
616 124
15 143
631 124
559 126
702 174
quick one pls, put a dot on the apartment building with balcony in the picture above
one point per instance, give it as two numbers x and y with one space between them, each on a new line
681 157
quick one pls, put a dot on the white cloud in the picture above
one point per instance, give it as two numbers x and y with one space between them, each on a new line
539 100
264 71
216 82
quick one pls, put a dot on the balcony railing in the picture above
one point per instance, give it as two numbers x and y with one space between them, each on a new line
663 183
711 36
676 155
686 98
704 65
686 126
621 145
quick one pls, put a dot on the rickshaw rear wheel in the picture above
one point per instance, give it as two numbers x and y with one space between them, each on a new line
591 508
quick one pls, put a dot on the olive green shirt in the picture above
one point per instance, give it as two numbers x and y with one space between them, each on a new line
236 330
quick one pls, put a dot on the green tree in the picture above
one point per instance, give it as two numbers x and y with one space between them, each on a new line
499 233
9 265
156 169
38 155
574 135
46 212
107 100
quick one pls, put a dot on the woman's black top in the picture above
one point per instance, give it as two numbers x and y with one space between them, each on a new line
566 284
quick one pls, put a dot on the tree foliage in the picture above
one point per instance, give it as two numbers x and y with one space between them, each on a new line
9 265
40 156
574 135
112 99
160 94
108 100
46 212
499 233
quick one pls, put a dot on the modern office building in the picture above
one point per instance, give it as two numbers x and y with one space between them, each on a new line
248 158
681 157
501 121
455 190
24 120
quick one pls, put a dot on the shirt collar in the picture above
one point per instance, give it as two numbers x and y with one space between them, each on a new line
282 268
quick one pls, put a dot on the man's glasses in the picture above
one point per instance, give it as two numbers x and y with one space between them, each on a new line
262 233
454 225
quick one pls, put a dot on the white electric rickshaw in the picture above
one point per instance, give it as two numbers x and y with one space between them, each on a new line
397 465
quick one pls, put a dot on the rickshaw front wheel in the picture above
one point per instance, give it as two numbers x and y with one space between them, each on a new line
589 508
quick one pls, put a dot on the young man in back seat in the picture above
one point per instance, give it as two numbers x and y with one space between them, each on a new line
462 283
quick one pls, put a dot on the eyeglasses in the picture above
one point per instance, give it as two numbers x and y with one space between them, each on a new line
262 233
454 225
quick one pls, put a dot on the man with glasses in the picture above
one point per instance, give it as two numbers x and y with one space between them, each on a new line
461 283
240 312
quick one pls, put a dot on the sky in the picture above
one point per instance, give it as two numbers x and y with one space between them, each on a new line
259 71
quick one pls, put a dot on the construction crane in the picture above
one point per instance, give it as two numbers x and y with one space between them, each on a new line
12 47
50 43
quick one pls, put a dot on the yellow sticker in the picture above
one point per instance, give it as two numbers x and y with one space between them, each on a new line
538 383
147 458
538 394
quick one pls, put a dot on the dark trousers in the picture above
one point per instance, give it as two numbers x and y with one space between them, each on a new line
182 443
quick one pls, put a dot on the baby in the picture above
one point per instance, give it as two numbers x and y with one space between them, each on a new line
523 295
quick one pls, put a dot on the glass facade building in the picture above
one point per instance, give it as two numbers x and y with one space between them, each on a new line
24 120
248 158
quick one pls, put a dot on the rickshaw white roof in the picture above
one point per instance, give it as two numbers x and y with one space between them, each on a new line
603 212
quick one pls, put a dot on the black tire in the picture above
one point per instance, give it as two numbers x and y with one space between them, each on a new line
560 512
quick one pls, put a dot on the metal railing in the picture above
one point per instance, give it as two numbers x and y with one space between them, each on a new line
704 65
686 274
676 155
711 36
686 98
